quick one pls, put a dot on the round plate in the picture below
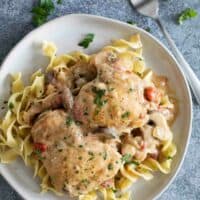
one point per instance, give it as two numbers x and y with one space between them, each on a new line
66 32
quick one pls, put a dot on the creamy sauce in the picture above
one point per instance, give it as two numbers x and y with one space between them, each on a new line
71 158
87 133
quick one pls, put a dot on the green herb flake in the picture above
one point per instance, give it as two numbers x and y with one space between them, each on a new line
125 115
110 166
38 154
87 40
140 59
42 11
148 29
130 22
126 158
91 154
69 121
134 162
98 98
104 155
10 105
80 157
96 112
85 181
59 1
130 90
186 14
80 146
114 190
169 157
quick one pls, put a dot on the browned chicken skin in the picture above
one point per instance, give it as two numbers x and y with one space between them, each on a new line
81 121
114 99
71 158
53 101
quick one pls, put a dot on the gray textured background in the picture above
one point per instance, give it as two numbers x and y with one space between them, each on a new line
15 23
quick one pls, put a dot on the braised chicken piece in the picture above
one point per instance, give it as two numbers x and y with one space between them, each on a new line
95 117
74 77
114 99
53 101
58 78
74 162
83 72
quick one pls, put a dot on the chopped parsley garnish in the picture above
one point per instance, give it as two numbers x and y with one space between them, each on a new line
134 162
91 155
114 190
87 40
104 155
80 157
91 158
98 98
80 146
125 115
38 154
126 158
169 157
131 22
42 11
96 112
59 1
10 105
148 29
130 90
69 121
110 166
186 14
85 181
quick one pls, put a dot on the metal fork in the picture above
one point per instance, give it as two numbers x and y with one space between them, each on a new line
150 8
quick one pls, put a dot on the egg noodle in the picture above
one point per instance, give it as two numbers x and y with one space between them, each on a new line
16 140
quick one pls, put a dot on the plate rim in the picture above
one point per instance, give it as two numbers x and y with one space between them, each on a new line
97 17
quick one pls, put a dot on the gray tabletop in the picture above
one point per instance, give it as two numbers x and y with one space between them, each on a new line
15 23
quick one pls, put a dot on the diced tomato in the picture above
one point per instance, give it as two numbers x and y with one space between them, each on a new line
150 93
41 147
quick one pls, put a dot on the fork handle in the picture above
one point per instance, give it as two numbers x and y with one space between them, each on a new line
190 75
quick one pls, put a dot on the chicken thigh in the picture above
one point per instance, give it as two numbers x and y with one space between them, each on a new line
74 162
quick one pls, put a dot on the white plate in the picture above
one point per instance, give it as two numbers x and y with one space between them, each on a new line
66 32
